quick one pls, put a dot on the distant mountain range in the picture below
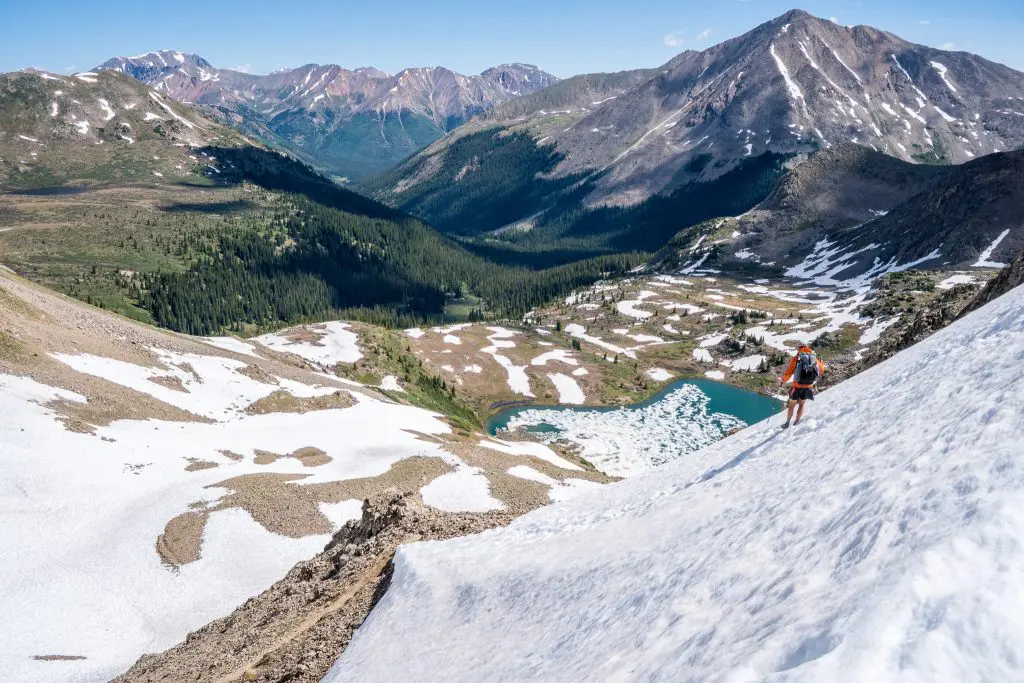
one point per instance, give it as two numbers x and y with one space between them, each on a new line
793 85
351 123
797 148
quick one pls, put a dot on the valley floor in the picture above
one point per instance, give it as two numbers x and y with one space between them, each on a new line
619 341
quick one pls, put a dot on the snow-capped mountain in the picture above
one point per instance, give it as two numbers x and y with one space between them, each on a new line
326 113
794 84
879 540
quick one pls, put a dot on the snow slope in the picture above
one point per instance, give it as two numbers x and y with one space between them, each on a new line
879 541
80 513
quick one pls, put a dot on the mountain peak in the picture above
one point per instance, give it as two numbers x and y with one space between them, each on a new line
797 14
372 72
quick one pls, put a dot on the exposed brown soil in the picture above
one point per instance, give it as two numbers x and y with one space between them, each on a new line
181 541
307 334
187 367
283 402
255 372
195 465
311 456
265 457
285 507
169 382
57 658
293 510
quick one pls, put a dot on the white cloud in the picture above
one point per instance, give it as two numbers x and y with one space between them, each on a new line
925 22
703 35
674 39
834 20
244 68
947 46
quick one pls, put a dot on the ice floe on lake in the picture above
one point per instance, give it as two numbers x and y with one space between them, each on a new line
627 441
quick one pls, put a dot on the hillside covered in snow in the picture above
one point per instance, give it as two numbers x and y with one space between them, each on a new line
153 481
880 540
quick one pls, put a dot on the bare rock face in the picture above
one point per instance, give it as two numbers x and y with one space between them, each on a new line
295 630
939 313
849 214
1009 277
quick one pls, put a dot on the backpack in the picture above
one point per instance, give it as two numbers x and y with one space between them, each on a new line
807 371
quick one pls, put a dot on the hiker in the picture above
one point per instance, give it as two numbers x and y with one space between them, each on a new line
806 369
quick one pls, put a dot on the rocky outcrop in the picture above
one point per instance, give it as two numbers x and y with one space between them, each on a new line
295 630
937 314
1008 278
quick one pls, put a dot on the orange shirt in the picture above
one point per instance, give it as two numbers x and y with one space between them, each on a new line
792 368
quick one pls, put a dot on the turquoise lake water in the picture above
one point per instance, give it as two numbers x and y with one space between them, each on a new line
685 416
748 406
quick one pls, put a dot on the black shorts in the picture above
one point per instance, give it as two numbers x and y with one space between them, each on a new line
801 394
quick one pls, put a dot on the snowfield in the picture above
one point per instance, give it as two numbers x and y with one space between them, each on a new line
518 380
878 541
80 514
464 490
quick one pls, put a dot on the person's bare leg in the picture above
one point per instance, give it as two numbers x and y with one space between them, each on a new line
800 413
789 413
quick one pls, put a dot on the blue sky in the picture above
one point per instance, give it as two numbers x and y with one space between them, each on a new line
564 37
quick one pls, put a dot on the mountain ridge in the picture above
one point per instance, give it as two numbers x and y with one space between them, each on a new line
848 214
791 85
351 122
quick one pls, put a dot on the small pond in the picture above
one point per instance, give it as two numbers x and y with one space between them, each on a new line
681 418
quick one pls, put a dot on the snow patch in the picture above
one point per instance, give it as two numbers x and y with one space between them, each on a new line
941 68
558 355
335 343
569 392
232 344
108 111
560 490
958 279
464 490
983 260
659 374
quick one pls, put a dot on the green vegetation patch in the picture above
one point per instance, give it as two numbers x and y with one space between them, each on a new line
386 352
10 348
901 292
